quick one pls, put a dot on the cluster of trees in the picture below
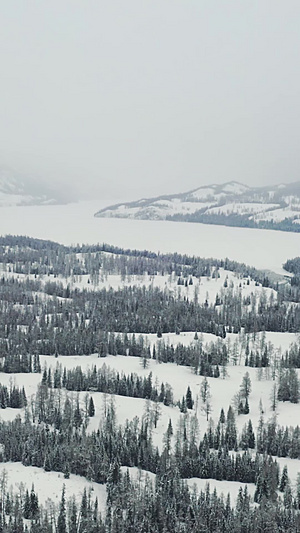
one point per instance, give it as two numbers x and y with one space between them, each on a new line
236 220
171 507
75 325
291 358
25 255
109 381
277 440
293 266
19 362
166 506
12 397
40 257
68 448
69 516
288 386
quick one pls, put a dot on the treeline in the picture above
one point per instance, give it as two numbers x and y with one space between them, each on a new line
35 256
22 512
74 325
108 381
293 266
18 363
278 440
203 358
236 220
168 506
291 357
25 255
172 508
68 448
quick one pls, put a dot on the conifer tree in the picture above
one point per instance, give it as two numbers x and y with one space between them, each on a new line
61 520
27 506
189 399
34 504
230 431
73 517
284 479
91 410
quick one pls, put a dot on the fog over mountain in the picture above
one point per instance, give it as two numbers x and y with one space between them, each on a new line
16 189
136 99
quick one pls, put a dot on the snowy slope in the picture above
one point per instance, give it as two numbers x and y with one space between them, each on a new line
217 204
48 485
15 190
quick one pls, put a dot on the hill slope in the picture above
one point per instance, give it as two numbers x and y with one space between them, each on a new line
16 190
230 204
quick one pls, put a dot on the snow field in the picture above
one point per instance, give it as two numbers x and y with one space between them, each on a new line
48 485
277 214
222 487
242 208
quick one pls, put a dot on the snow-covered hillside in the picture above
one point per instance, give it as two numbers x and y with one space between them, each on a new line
18 191
232 204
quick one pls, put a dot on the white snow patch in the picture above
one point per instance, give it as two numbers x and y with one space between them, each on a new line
222 487
241 208
48 485
202 193
235 188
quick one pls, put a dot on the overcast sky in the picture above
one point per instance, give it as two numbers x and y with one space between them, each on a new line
143 97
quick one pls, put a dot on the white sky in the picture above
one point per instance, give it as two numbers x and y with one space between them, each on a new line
144 97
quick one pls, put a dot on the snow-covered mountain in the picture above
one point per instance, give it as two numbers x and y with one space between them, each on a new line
16 190
232 203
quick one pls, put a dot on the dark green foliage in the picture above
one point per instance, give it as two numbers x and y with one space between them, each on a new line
284 479
105 379
61 520
288 386
235 220
13 397
91 407
189 399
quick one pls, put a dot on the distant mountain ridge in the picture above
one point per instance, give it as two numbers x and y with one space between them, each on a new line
229 204
16 191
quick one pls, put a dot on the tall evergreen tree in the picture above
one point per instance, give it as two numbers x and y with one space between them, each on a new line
61 520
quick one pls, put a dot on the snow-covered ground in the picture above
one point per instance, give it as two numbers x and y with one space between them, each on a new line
240 208
75 223
204 288
179 377
277 215
222 487
48 485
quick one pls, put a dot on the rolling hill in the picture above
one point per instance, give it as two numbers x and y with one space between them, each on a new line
229 204
16 190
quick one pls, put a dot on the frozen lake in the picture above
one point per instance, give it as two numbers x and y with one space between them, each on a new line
75 223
